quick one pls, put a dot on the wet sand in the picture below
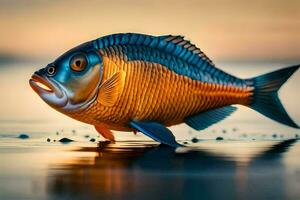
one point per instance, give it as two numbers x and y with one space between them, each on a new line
36 169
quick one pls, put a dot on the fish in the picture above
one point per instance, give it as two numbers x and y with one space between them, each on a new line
143 83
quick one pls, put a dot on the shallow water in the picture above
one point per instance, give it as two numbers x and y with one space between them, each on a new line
36 169
257 158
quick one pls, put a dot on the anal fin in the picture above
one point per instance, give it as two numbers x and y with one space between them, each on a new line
205 119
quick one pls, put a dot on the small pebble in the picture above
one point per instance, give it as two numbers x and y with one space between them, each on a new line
23 136
57 133
219 138
48 140
195 140
274 136
92 140
86 136
65 140
185 142
296 136
224 131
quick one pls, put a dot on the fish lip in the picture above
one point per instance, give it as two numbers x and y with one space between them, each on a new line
59 93
35 79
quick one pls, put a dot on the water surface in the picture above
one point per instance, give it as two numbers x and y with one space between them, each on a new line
36 169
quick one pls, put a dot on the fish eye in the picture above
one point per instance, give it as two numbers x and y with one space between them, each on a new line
51 70
78 62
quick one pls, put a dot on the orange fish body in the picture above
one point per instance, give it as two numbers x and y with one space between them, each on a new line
135 82
152 92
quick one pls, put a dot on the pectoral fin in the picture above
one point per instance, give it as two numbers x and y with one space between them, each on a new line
111 89
106 133
156 131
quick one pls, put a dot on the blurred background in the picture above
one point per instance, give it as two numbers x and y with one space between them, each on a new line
241 37
226 30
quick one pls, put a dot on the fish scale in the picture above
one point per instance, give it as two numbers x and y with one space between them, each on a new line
152 92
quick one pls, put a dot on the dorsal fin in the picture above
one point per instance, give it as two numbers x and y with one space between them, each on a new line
159 42
179 40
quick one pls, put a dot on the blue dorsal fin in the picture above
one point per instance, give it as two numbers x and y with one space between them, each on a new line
166 43
205 119
156 131
186 44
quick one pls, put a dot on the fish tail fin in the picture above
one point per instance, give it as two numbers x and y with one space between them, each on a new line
265 96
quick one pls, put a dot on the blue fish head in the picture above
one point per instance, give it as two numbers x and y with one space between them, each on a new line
71 82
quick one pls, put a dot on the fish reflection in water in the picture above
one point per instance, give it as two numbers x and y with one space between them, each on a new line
136 171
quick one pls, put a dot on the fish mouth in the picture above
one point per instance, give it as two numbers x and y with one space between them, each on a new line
49 90
58 95
40 84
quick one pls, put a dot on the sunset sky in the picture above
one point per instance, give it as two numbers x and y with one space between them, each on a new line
225 30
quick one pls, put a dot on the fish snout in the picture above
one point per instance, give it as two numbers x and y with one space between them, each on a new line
42 84
47 89
41 72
